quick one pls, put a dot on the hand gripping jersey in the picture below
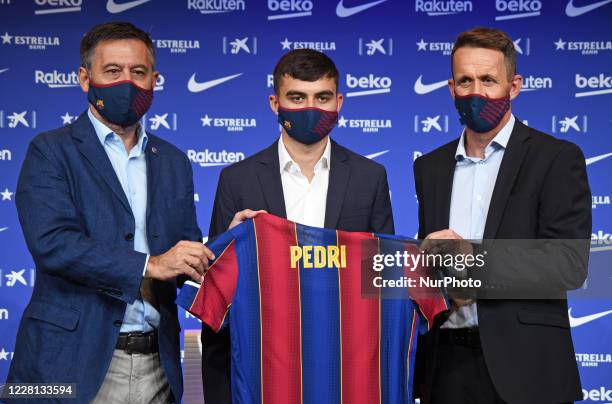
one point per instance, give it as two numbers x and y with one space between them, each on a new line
301 330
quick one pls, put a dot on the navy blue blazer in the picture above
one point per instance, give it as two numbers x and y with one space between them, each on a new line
79 228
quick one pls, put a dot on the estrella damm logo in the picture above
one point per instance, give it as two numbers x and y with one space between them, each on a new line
316 256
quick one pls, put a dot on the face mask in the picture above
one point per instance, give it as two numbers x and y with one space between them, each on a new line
480 113
307 125
122 103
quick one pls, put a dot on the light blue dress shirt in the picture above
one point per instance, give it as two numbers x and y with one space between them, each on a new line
131 170
473 184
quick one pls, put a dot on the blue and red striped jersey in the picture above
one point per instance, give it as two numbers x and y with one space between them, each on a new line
301 329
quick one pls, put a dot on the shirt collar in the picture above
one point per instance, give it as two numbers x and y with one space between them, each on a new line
286 163
499 141
105 133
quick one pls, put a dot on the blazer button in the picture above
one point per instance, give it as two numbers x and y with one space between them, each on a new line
129 237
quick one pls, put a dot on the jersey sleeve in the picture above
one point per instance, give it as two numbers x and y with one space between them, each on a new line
211 300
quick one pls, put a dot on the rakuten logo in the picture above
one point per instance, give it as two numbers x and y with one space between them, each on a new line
216 6
207 158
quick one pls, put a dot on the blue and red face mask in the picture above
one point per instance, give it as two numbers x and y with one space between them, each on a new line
122 103
480 113
307 125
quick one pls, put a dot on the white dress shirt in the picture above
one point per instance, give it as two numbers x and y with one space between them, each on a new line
304 201
473 184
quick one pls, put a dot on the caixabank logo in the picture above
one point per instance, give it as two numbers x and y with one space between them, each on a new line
17 119
245 45
569 124
14 278
374 47
161 121
431 123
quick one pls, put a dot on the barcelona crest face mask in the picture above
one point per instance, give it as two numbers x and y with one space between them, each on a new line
122 103
307 125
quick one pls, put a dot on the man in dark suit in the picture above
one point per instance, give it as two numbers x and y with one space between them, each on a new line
304 176
108 214
502 180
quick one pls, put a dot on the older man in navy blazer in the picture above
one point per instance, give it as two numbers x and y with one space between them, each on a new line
108 214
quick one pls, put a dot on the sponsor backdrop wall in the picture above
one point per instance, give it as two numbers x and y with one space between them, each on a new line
215 59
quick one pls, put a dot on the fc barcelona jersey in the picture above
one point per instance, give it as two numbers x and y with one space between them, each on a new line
301 329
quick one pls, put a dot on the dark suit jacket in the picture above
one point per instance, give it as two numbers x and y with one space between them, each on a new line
541 192
357 200
79 228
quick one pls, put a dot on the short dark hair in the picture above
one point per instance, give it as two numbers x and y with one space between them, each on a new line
488 38
306 65
110 31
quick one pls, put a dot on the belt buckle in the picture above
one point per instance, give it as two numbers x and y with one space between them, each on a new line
131 342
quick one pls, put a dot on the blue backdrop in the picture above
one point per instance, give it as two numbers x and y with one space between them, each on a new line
216 57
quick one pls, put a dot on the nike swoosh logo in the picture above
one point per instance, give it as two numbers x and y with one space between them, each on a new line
573 11
343 12
421 88
115 8
3 70
595 159
374 155
3 229
578 321
196 87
